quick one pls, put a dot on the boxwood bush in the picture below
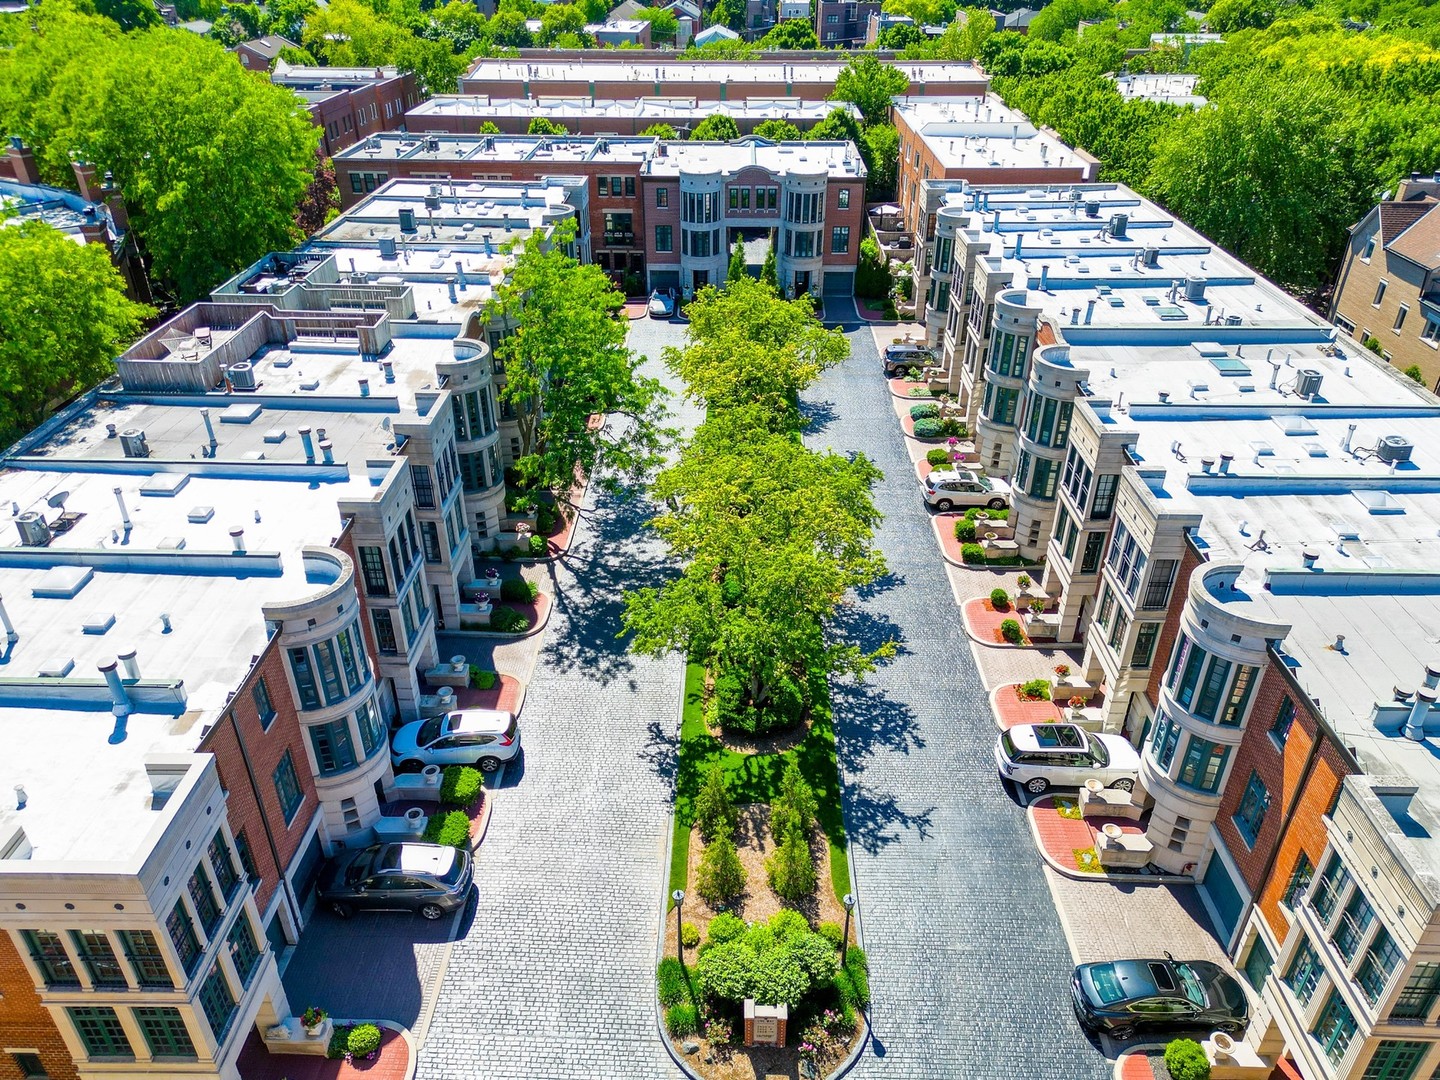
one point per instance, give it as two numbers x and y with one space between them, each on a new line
482 679
972 553
1186 1060
999 599
363 1039
928 429
459 786
451 827
995 515
508 621
539 547
928 411
1010 631
518 590
965 533
938 458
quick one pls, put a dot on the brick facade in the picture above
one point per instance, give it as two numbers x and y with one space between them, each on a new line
25 1024
1171 629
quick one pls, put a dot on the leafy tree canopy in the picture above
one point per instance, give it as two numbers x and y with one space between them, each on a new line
717 127
869 85
791 34
778 130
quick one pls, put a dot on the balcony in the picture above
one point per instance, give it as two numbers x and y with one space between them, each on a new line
619 238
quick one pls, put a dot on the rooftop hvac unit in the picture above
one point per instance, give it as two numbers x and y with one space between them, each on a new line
1233 320
1389 448
387 247
33 530
132 441
1307 382
1195 288
1152 256
407 219
1118 224
432 200
1092 208
242 375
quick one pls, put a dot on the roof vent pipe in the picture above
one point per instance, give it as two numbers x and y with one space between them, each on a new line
209 428
1089 310
237 537
119 699
1308 559
1206 464
1415 722
124 512
309 444
130 664
327 450
1225 460
10 635
365 383
1349 435
1432 676
20 797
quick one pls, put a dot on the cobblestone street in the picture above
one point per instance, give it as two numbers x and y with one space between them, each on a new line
969 965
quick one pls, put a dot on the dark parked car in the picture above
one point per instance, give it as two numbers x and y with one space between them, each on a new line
1122 996
902 358
429 878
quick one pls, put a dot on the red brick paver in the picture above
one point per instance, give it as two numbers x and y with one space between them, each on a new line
506 694
1135 1065
983 621
1061 837
1011 710
257 1063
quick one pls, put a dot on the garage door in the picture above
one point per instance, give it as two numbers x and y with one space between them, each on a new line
664 279
1224 894
839 282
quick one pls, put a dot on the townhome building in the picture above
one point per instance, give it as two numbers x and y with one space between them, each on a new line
349 103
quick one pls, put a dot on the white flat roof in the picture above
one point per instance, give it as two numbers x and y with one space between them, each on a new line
980 130
643 69
837 159
688 110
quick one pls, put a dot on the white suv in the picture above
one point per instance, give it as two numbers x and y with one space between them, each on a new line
485 738
946 489
1038 756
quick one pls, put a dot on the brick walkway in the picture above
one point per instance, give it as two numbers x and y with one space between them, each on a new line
1011 710
257 1063
982 621
1061 837
1135 1065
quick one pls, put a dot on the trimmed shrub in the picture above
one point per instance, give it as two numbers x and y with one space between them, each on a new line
778 979
972 553
994 515
538 546
546 519
788 925
999 599
792 868
1035 690
725 927
682 1020
965 533
857 966
720 876
519 591
450 827
481 679
1010 631
672 983
363 1039
508 621
1414 372
938 457
725 970
1186 1060
845 989
1373 344
952 429
794 805
927 429
460 786
714 812
832 933
925 412
689 935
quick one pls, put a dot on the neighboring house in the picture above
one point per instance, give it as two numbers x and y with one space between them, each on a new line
348 104
466 114
617 32
716 33
259 54
841 23
1388 289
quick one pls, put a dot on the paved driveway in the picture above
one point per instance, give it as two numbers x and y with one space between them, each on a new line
969 965
555 977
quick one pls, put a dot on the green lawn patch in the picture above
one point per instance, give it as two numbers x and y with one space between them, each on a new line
755 778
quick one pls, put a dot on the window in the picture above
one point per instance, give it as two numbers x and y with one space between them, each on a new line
1117 632
203 898
372 729
1258 963
1077 479
100 1032
430 534
372 566
664 237
1304 973
48 952
1234 710
424 487
1351 926
1162 580
1204 764
1400 317
1104 495
1164 741
329 672
1284 718
1381 960
288 787
148 962
384 630
1417 997
1379 293
1335 1027
222 866
304 674
334 751
182 936
260 694
1299 880
30 1066
1395 1060
1369 247
1212 688
243 950
1187 671
604 185
1146 634
218 1003
843 198
165 1033
1250 815
662 197
1430 332
1090 558
1327 890
630 186
840 240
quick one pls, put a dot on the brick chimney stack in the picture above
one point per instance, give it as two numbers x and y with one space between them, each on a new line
21 160
115 203
92 227
86 179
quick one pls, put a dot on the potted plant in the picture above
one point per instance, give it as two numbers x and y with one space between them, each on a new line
1062 670
1023 581
982 515
1077 704
313 1019
1037 607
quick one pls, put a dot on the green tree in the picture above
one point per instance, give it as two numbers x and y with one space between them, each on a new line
872 275
720 877
791 34
489 127
796 802
64 318
663 24
870 85
883 162
717 127
730 13
1060 17
129 14
348 33
508 29
736 270
714 812
769 269
660 131
901 36
560 19
568 354
287 17
542 125
777 130
792 868
924 12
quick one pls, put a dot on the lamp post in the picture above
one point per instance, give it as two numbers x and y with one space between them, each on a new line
849 901
679 897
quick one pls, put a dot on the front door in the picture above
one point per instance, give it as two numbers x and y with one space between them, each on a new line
802 282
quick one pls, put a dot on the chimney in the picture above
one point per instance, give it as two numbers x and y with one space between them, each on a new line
1225 460
130 664
10 635
115 203
86 179
92 227
1415 722
124 512
237 537
22 161
119 699
327 451
309 444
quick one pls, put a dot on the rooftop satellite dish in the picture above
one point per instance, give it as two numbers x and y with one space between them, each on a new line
57 501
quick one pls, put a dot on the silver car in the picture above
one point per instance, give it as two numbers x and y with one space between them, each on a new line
946 489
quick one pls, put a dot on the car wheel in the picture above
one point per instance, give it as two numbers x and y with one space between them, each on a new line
341 909
431 911
488 764
996 504
1122 1034
943 505
1124 785
409 767
1037 785
1230 1027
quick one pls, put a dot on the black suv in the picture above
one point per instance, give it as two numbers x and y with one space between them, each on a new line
429 878
902 358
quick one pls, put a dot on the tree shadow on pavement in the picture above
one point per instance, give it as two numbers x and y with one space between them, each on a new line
875 819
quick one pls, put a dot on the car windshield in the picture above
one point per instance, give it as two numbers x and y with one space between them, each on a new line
984 482
429 731
1107 984
360 868
1190 983
1007 744
1100 752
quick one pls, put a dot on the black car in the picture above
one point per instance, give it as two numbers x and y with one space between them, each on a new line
429 878
902 358
1122 996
